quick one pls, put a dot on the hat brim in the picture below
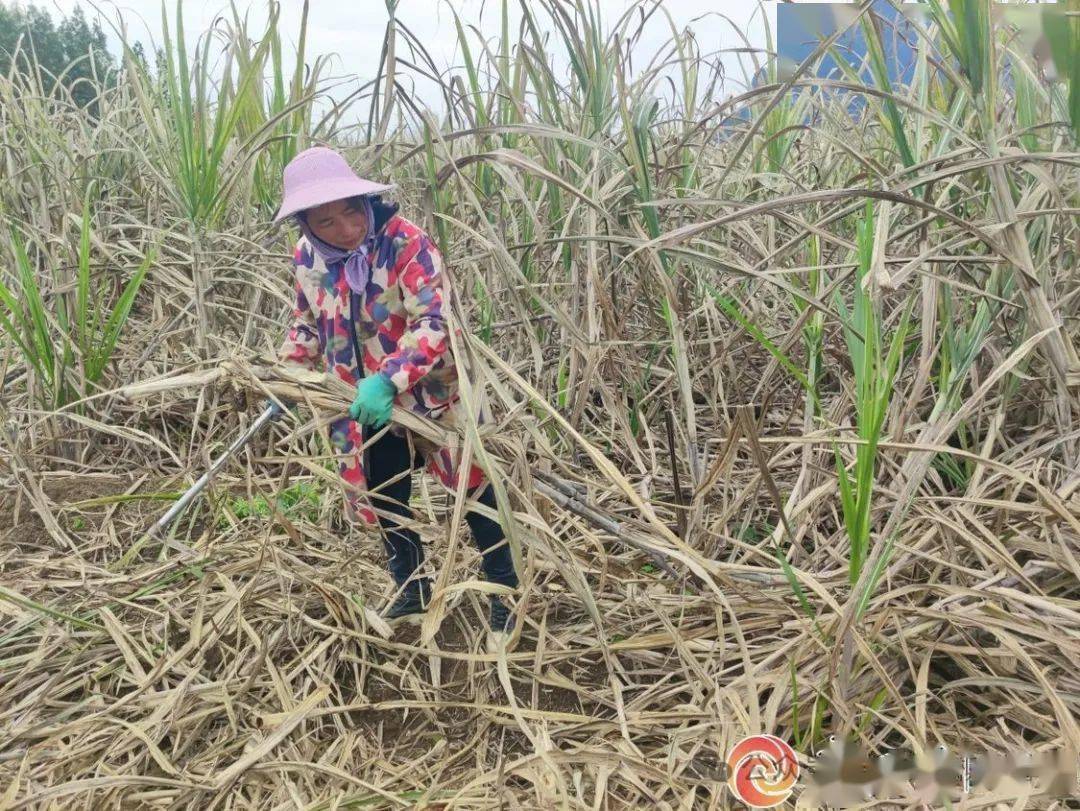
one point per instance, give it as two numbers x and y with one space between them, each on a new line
316 194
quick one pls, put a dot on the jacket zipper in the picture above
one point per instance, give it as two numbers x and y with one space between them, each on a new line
352 333
359 358
354 302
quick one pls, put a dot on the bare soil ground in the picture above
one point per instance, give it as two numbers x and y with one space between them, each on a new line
210 670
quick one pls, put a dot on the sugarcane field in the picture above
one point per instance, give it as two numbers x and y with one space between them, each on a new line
539 404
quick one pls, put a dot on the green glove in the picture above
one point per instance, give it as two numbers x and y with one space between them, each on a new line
374 400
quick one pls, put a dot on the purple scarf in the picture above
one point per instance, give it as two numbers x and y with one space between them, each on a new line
357 262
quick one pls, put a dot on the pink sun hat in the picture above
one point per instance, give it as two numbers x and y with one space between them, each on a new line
320 175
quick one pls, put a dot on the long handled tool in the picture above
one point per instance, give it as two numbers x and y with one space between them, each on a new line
159 526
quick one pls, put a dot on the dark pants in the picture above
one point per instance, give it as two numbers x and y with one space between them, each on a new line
387 458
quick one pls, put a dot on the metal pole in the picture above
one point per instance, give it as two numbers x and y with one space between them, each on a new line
197 488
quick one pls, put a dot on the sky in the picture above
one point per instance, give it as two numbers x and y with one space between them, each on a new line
353 31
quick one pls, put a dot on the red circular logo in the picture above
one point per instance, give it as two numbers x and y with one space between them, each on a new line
762 770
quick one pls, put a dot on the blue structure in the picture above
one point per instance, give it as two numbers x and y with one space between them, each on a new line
800 28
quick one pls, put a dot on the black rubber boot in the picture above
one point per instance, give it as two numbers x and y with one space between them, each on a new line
501 618
411 603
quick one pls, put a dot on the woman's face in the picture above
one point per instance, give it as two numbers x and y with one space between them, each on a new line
337 223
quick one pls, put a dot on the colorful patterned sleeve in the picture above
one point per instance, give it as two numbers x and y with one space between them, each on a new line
301 346
424 342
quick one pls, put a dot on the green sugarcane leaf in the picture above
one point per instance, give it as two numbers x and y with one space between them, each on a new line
83 306
10 329
118 318
851 336
37 321
880 71
847 499
733 311
946 24
796 586
1026 99
896 350
15 598
21 331
875 576
1063 34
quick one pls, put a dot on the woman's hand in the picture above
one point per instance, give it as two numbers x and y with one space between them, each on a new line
374 400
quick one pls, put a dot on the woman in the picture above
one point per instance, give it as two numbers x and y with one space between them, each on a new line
369 290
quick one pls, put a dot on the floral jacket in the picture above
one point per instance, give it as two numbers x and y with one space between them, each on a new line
397 327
